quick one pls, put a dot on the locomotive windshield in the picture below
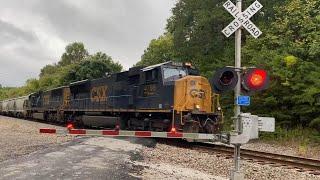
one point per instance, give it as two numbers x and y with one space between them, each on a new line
173 73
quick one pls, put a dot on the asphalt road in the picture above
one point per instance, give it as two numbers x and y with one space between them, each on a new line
83 158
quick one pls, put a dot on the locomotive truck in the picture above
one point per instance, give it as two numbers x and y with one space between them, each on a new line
169 96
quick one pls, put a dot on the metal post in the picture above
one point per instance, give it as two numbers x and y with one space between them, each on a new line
236 175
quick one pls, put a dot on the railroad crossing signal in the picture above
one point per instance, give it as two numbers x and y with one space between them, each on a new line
252 80
242 19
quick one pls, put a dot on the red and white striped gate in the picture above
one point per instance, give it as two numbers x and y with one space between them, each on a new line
122 133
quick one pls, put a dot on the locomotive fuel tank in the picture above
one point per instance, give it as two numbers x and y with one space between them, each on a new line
100 121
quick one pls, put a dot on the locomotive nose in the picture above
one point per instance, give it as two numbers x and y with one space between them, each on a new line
192 93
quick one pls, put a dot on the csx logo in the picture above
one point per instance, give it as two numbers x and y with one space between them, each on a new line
99 93
198 93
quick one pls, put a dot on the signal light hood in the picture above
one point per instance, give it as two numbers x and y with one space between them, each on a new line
225 79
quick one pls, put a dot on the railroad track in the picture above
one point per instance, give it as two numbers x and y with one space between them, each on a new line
301 164
296 162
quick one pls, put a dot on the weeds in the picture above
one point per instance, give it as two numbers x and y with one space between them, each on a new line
302 138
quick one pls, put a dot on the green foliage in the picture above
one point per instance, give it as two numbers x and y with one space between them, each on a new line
48 70
298 135
288 49
75 53
107 60
196 28
315 123
290 61
160 50
92 67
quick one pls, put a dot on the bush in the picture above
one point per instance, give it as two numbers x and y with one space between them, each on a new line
315 124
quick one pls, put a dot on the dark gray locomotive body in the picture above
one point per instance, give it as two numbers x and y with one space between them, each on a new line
157 98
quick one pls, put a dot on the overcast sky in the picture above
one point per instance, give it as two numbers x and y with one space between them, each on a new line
34 33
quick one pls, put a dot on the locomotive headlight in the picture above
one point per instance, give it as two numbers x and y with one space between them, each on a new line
188 64
198 106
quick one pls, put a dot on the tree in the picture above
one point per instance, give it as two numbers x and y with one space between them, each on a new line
196 28
48 70
75 53
94 66
159 50
107 60
32 85
288 50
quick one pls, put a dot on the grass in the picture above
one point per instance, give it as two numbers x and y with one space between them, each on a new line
304 139
299 134
300 138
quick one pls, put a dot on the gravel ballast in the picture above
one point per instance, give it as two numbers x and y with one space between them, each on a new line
216 165
19 137
291 150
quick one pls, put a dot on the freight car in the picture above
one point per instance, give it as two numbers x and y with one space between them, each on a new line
16 107
4 106
162 97
1 107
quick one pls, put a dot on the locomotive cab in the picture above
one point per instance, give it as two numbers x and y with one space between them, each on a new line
180 88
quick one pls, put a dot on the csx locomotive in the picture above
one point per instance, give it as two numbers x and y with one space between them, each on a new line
164 97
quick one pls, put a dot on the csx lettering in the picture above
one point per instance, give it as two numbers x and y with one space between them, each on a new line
99 94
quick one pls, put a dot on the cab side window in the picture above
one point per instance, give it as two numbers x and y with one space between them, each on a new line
152 75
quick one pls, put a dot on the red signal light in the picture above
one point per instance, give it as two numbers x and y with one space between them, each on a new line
255 80
257 77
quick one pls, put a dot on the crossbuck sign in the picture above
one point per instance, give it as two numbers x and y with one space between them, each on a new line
242 19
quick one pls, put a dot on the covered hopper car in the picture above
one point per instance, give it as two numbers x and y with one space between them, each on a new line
16 107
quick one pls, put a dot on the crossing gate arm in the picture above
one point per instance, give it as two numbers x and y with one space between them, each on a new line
120 133
251 126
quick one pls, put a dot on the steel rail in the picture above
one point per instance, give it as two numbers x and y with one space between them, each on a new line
301 163
294 162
